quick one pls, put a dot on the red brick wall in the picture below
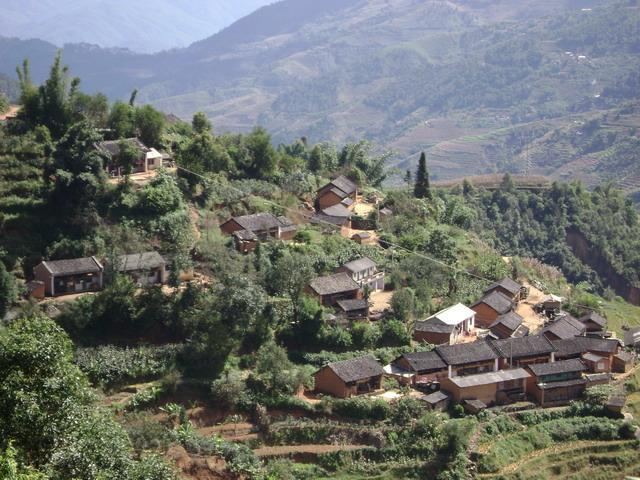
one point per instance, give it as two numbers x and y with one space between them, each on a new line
485 315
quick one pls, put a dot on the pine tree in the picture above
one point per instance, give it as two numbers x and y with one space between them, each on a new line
422 189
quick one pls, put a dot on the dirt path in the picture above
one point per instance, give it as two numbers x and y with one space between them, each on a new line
195 220
124 396
525 309
283 450
380 301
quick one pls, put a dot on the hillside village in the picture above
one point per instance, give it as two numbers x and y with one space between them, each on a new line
181 304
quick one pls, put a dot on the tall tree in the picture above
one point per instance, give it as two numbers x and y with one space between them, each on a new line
150 124
201 123
422 188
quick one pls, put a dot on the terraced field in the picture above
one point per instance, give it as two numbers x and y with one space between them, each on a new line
590 460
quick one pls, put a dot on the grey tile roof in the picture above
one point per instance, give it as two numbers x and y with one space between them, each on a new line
344 184
140 261
592 357
353 305
424 361
497 301
479 351
511 320
337 211
554 368
360 264
258 222
435 397
625 356
508 284
356 369
332 284
73 266
564 328
595 318
246 235
523 347
578 345
112 147
433 325
321 218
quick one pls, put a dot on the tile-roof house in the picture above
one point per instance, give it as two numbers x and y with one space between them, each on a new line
558 382
490 307
469 358
355 309
499 387
508 287
365 272
332 288
562 328
148 158
445 326
260 226
420 367
594 322
508 325
518 352
349 377
340 191
74 275
146 268
576 347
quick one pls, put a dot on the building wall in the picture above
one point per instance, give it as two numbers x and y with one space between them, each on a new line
41 274
230 226
502 331
331 300
326 381
485 315
524 361
619 366
433 338
484 393
473 368
328 199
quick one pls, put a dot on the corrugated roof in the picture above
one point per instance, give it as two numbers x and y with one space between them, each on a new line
497 301
523 346
508 284
360 264
454 315
73 266
356 368
140 261
554 368
478 351
489 378
332 284
424 361
566 383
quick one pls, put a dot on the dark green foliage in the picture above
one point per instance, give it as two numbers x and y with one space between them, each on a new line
8 290
108 366
422 188
150 125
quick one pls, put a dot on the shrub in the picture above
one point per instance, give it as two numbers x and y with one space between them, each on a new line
362 408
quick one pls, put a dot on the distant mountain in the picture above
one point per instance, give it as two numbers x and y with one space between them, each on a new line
141 25
482 85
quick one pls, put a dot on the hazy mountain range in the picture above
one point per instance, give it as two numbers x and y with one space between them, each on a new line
140 25
482 85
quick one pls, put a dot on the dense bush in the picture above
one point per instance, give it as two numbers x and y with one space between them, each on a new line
110 366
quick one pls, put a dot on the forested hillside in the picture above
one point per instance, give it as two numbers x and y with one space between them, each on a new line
483 87
208 375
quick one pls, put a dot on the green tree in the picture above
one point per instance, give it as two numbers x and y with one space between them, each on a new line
11 470
161 195
202 154
4 103
274 374
122 121
150 125
8 290
127 156
262 158
41 388
201 123
422 188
